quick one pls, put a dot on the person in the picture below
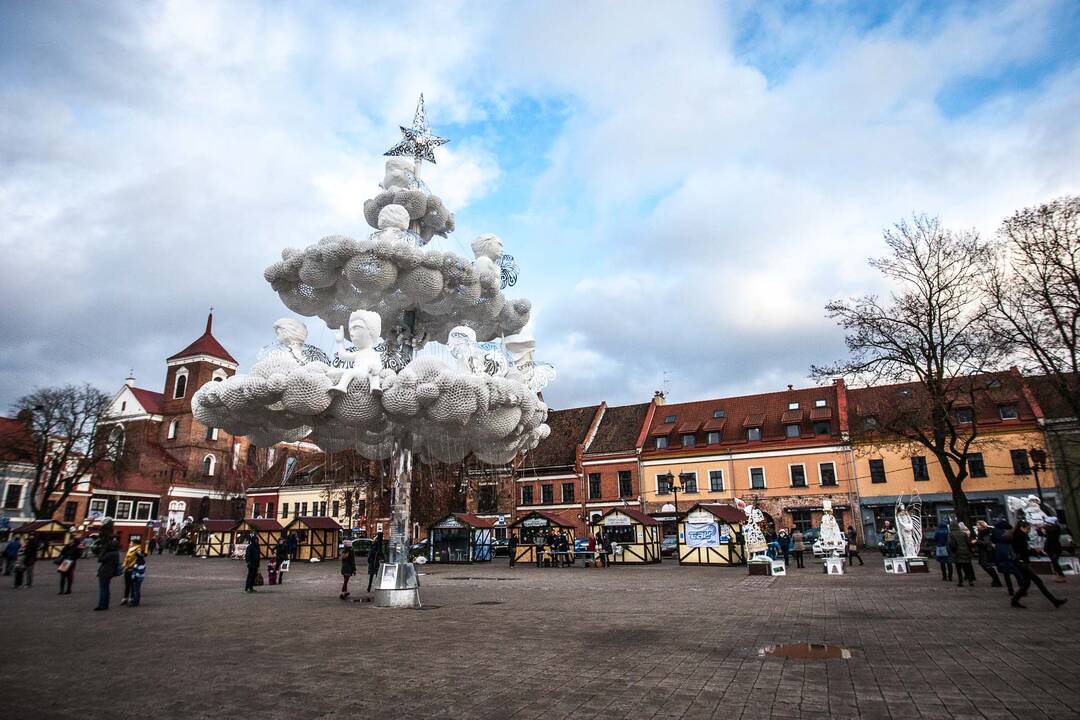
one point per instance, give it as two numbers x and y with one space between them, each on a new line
785 544
138 574
160 543
130 558
20 566
960 553
798 547
348 568
590 545
1001 536
511 548
1022 561
564 547
281 554
374 558
539 542
294 543
30 549
251 557
853 547
941 552
108 568
605 557
1052 547
984 551
153 544
773 548
888 540
69 554
11 551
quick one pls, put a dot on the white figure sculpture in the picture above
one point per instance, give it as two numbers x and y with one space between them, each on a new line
487 249
394 216
909 527
753 537
1034 514
520 348
478 358
365 327
400 174
832 539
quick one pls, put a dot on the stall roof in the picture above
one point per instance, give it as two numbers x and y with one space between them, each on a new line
636 515
473 520
316 523
553 518
220 525
262 523
42 526
727 513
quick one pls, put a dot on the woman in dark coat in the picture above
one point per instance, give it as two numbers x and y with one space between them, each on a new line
984 548
281 554
941 551
348 568
1003 554
1022 561
960 552
1052 532
108 568
374 559
69 554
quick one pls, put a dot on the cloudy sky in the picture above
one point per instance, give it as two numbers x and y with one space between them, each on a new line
684 185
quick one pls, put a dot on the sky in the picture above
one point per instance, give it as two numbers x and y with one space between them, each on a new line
684 185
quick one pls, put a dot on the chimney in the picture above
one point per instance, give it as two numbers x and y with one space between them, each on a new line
790 387
659 398
130 379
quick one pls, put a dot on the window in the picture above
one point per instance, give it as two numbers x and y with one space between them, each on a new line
798 475
284 510
255 508
919 469
877 471
211 433
717 414
208 464
688 440
802 519
821 402
568 492
487 500
976 467
142 510
180 384
688 481
1020 462
251 455
270 509
827 471
527 495
716 481
334 508
97 507
174 426
70 509
547 494
712 438
116 443
663 484
792 431
753 433
793 406
626 484
594 486
869 423
1008 412
661 442
303 510
669 419
757 478
123 509
965 416
322 508
123 406
822 427
13 497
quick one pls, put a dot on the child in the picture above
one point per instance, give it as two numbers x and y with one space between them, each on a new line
137 575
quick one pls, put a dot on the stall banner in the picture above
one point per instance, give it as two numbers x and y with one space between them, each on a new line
534 522
449 524
617 521
702 534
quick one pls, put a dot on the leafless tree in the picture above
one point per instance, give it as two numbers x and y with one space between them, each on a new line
929 333
57 438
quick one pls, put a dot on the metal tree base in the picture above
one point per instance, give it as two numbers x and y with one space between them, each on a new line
397 586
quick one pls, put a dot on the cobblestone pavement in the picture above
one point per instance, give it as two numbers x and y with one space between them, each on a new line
496 642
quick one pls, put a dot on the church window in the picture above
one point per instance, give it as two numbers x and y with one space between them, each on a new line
174 426
208 465
180 384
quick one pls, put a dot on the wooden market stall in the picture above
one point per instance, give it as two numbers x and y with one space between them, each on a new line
636 534
268 530
318 538
215 538
52 536
461 538
711 534
538 522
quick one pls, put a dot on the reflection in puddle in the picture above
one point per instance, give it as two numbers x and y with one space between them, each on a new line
806 651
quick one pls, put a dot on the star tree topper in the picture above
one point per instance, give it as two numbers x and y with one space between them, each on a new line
418 140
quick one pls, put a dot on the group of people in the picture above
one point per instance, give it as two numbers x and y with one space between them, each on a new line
20 558
791 545
286 550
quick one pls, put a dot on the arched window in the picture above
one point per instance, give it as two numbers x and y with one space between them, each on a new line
251 456
208 464
180 384
174 427
116 442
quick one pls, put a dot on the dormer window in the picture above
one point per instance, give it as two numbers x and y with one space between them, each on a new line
688 440
793 406
1008 412
712 438
753 434
718 414
820 403
669 419
792 431
180 384
661 443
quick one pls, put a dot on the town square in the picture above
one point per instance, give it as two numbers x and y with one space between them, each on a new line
540 360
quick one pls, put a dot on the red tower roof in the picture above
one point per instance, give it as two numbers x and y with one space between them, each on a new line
206 345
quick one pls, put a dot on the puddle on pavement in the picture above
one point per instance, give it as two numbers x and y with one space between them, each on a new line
489 602
806 651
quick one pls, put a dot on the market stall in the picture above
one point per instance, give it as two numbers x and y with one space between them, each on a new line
318 538
215 538
528 527
461 538
711 534
268 531
635 536
52 535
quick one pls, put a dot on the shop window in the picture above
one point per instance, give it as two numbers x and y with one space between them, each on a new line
13 496
688 440
798 475
1020 462
753 434
965 416
822 427
142 510
70 510
757 478
827 471
792 431
716 481
547 494
284 510
527 495
622 534
568 492
877 471
976 466
123 510
803 520
626 484
661 442
594 486
688 480
919 470
1008 412
712 438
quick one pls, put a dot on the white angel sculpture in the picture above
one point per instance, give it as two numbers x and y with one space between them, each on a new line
753 537
521 348
832 539
1034 514
476 357
291 336
909 526
365 327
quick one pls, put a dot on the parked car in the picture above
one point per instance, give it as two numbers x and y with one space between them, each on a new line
668 545
418 549
500 547
581 545
361 546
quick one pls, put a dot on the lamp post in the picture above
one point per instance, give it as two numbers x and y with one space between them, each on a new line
1038 462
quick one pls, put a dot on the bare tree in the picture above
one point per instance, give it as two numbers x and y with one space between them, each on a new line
57 438
931 334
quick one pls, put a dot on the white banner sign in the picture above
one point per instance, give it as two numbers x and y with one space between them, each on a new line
702 534
617 521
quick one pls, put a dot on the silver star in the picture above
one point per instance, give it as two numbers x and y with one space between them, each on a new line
418 140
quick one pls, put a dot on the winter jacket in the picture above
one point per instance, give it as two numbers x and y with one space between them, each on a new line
108 564
131 557
984 545
797 544
69 552
1002 537
31 548
12 548
251 554
348 562
138 572
1053 539
281 553
1021 549
785 542
959 545
375 555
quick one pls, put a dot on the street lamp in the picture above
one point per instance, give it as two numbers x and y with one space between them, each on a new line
1038 462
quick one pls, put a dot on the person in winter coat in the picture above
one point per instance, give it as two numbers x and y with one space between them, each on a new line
374 558
941 551
511 548
853 546
11 551
68 554
30 555
138 574
960 552
889 540
1022 561
108 568
348 568
281 554
20 566
1003 554
130 558
984 549
1052 532
785 545
251 557
798 547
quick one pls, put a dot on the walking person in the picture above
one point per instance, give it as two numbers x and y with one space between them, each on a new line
20 566
109 566
511 547
941 552
294 543
984 551
348 568
605 542
138 574
69 555
281 554
1022 561
1001 536
785 544
30 551
798 547
130 558
960 552
251 557
374 558
853 547
11 551
1052 532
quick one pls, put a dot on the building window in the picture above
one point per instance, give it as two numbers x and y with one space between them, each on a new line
547 494
919 469
661 442
976 466
1020 462
688 480
626 484
13 497
255 508
70 509
211 433
965 416
180 384
284 510
821 403
718 414
792 431
568 492
688 440
803 520
793 406
757 478
116 443
123 509
716 481
322 509
302 512
251 456
97 508
712 438
334 508
669 419
208 464
174 426
822 427
527 495
1008 412
827 471
594 486
142 510
487 500
753 434
270 509
663 484
798 475
877 471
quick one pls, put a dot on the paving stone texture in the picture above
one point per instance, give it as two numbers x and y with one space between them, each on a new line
496 642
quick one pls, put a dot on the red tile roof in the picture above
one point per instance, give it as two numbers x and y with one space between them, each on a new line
315 523
474 520
1047 391
619 429
206 344
150 400
557 451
